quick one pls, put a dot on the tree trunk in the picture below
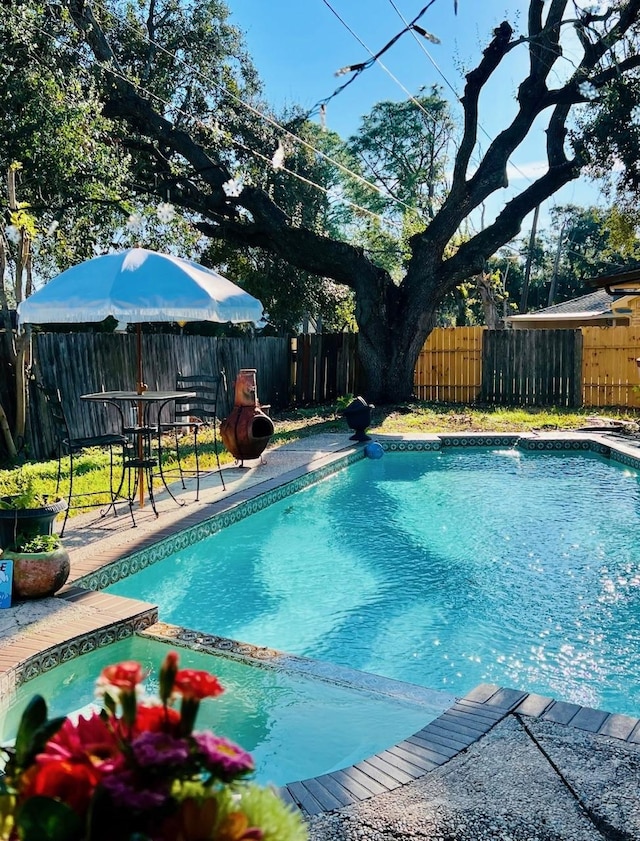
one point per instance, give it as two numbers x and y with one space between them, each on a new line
387 353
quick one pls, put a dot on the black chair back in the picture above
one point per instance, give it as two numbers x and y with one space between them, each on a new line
56 411
204 405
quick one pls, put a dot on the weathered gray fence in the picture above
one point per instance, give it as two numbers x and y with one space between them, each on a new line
324 367
532 367
78 363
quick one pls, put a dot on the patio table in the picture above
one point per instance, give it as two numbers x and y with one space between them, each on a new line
143 430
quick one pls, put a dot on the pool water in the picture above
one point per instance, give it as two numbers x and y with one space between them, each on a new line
294 726
444 569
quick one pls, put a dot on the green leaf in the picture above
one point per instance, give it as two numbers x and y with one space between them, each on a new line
44 733
44 819
34 716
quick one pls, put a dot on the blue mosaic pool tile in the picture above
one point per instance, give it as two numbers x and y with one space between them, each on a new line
62 653
479 440
555 444
410 446
625 458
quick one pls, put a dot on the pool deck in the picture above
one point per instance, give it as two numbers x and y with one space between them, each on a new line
499 764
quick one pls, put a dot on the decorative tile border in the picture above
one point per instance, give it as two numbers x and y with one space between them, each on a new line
564 444
410 446
123 567
625 458
49 658
263 657
480 440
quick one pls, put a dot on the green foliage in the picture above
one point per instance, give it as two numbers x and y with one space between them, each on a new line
343 402
36 543
18 490
609 131
403 148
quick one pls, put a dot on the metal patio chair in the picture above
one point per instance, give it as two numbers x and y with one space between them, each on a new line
192 414
71 446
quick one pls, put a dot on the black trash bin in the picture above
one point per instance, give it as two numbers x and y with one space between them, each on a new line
358 416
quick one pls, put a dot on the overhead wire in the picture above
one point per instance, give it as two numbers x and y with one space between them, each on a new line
379 61
268 119
356 69
176 109
272 121
419 41
449 84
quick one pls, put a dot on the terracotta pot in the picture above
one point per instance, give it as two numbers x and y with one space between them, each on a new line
247 430
38 574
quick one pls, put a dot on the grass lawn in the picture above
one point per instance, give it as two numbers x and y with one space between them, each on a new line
92 467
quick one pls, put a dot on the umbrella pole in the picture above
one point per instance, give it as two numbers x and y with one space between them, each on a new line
140 388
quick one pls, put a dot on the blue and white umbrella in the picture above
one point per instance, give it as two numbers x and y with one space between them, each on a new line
137 286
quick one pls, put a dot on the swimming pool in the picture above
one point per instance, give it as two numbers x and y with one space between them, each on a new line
444 569
295 726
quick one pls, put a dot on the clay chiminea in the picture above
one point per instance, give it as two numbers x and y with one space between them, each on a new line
246 432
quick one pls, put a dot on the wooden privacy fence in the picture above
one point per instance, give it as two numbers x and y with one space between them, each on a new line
449 367
323 367
78 363
590 366
532 367
593 366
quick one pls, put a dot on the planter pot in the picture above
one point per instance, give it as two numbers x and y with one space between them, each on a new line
38 574
358 416
28 521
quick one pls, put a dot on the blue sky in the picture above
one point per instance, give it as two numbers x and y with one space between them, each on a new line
298 45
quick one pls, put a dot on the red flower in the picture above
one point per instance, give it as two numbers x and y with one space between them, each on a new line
70 781
125 675
154 718
194 684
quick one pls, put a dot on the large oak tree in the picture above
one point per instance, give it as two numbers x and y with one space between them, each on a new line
395 316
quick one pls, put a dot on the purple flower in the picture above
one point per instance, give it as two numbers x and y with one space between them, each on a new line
152 749
222 757
124 793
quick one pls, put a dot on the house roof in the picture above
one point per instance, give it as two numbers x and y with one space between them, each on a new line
631 276
592 305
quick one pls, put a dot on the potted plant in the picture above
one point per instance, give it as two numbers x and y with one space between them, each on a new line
40 563
23 511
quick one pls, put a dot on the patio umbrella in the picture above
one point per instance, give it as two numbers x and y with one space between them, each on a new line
136 286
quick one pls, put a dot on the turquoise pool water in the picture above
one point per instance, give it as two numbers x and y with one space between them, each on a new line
295 727
444 569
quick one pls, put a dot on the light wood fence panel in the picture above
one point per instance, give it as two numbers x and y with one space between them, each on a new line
609 370
449 366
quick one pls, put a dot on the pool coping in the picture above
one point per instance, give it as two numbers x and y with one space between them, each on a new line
464 723
109 618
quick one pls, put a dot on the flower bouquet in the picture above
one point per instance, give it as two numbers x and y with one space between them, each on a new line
136 770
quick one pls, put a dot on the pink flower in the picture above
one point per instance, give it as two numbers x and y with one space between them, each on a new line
89 740
223 757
